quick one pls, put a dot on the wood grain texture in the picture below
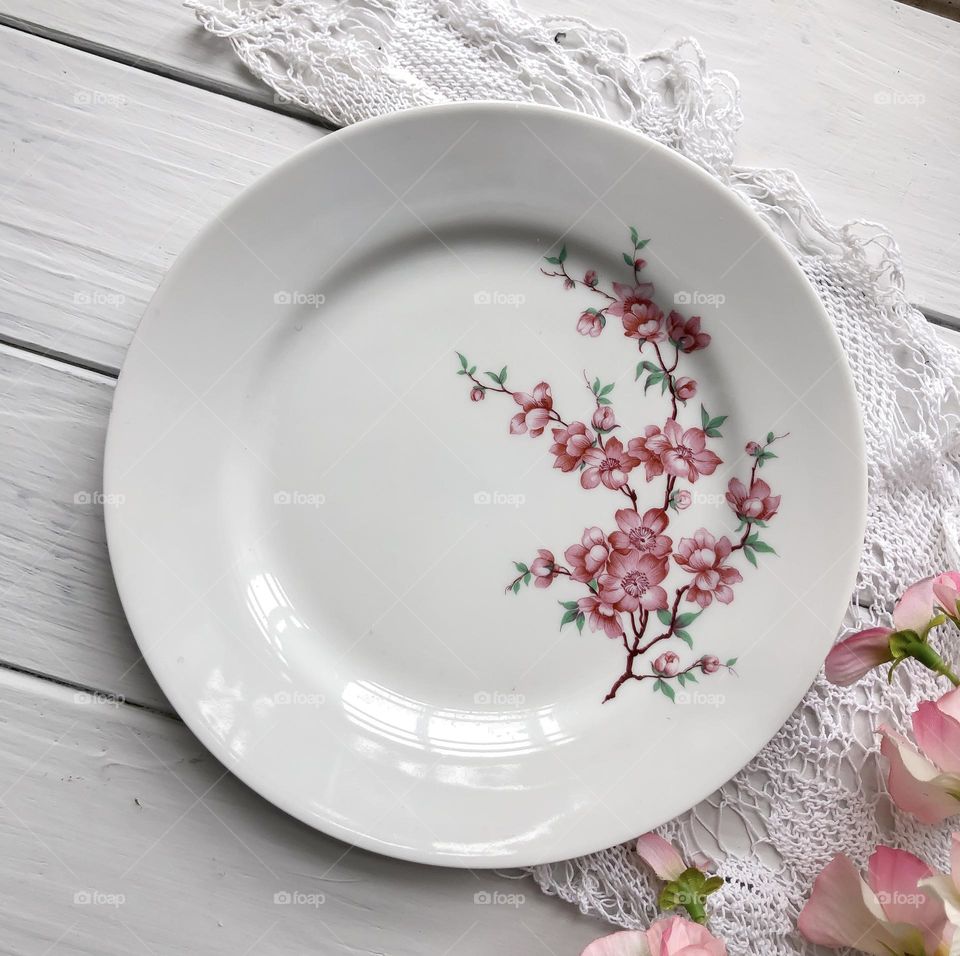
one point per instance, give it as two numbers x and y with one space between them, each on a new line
122 835
857 96
107 173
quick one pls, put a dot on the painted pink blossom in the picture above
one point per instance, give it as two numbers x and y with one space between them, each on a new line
604 418
477 393
638 447
703 556
590 277
927 783
685 333
854 656
946 590
888 914
543 569
674 936
570 444
632 581
709 664
642 318
667 664
588 558
569 284
757 504
601 614
590 323
609 465
536 411
685 389
683 500
752 448
683 453
642 533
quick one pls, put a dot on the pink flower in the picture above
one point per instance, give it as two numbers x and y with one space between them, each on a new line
588 558
682 500
543 569
886 915
569 445
859 653
752 448
590 323
709 664
536 411
610 465
478 393
674 936
601 615
568 284
685 333
639 449
590 278
928 784
659 854
667 664
683 453
757 504
685 388
641 317
643 534
703 556
632 581
603 418
947 888
946 590
639 264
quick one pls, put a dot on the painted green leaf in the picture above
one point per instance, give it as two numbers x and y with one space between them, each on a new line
516 586
563 254
580 620
607 389
569 605
681 679
526 578
687 618
503 375
665 616
652 379
493 376
770 437
520 566
684 636
763 547
667 689
568 616
712 433
634 236
472 370
628 259
704 417
731 662
751 557
691 677
596 386
463 362
553 260
642 243
604 401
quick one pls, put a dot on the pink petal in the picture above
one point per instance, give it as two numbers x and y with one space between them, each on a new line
660 856
950 703
915 609
856 655
590 478
631 943
893 875
915 784
938 736
843 911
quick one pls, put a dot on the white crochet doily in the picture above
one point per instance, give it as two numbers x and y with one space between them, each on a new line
817 788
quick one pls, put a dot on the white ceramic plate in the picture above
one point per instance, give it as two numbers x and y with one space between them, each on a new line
317 533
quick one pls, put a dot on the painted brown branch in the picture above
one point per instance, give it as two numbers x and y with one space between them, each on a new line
669 377
563 274
673 621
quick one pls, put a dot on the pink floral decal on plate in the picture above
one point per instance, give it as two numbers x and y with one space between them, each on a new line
623 568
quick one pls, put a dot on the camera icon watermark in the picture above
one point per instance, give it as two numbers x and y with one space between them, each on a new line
98 697
295 297
297 698
98 98
99 297
696 298
698 698
493 297
296 898
309 499
98 898
497 898
499 698
98 498
898 98
512 499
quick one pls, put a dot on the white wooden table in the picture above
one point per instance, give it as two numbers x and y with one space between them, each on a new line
124 128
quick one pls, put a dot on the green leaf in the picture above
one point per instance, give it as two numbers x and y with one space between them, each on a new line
642 243
526 578
731 662
684 636
563 254
664 384
604 401
634 236
712 433
691 677
681 679
503 375
751 557
520 566
763 547
645 366
494 377
665 688
568 616
652 379
592 584
770 437
553 260
607 389
516 586
596 386
472 370
665 617
628 260
580 620
463 362
718 421
704 417
569 605
687 618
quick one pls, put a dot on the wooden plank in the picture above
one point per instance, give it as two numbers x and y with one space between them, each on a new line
858 96
59 613
107 173
122 835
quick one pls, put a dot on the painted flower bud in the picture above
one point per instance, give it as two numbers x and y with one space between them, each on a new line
682 500
604 419
685 388
752 448
478 393
667 664
568 283
709 664
590 278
